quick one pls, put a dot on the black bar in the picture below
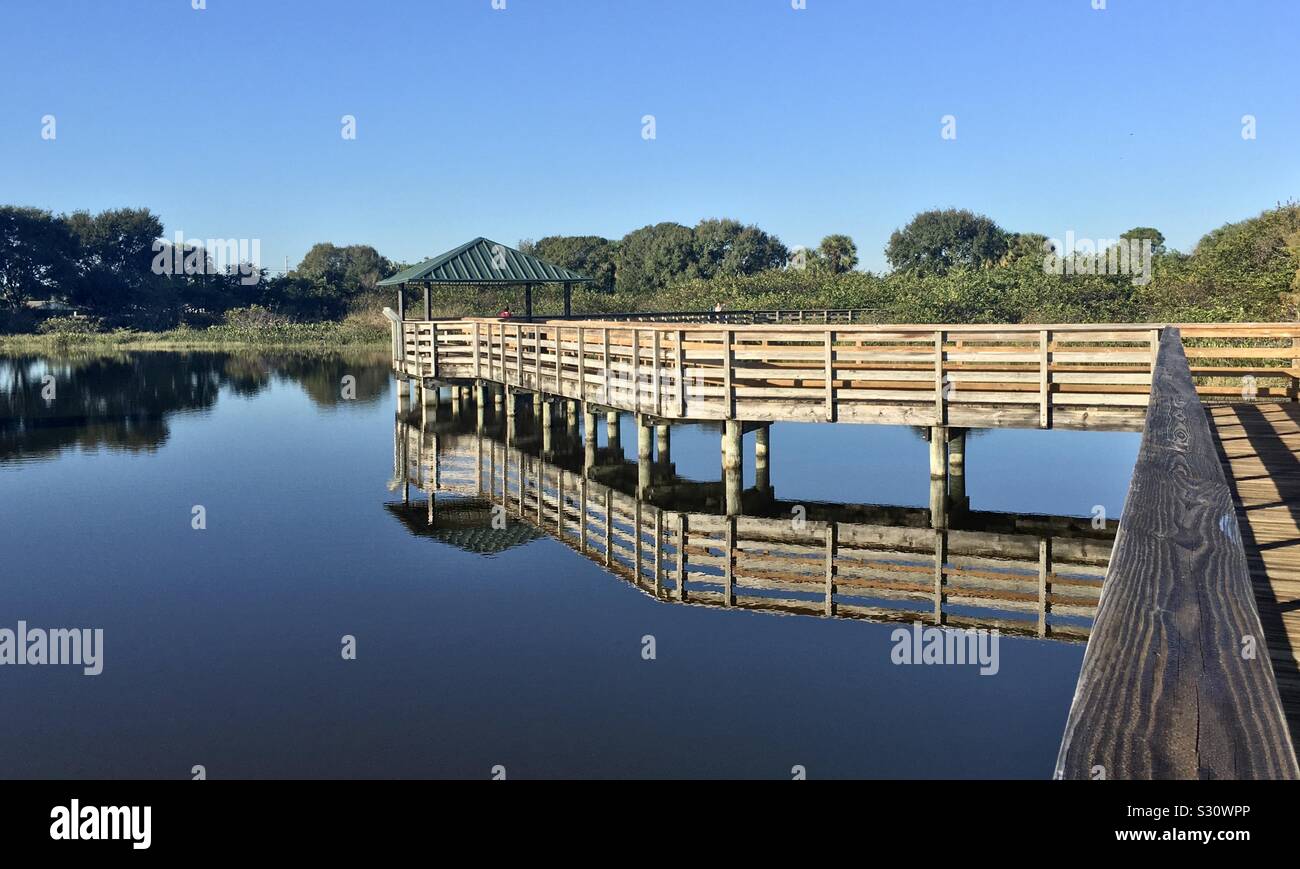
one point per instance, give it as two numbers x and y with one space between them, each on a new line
330 817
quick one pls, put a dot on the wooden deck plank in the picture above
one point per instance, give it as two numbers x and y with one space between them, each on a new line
1259 447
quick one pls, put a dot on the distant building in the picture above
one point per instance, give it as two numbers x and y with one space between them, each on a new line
51 306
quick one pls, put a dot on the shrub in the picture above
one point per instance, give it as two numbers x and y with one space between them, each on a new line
255 317
70 326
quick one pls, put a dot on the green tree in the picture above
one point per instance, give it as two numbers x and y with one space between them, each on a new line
589 255
839 253
652 257
1142 233
115 257
345 271
1256 261
729 247
37 256
936 241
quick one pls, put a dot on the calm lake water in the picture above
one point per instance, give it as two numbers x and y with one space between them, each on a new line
222 646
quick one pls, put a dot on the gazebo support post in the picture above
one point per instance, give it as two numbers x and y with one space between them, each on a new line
528 302
568 299
428 304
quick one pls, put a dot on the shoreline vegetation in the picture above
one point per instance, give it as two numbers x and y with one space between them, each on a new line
325 337
110 281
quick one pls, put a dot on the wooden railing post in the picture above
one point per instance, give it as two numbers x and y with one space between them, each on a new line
433 348
940 410
519 355
636 369
656 368
582 364
728 363
604 339
681 375
537 357
1293 382
559 367
477 352
1044 379
830 376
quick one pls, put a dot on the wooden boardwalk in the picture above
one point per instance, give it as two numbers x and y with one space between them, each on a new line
1259 445
1202 560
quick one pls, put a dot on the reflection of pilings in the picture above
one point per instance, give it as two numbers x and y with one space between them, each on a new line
498 396
588 438
938 477
511 401
762 474
538 403
403 396
405 460
480 403
663 444
428 396
957 470
612 436
938 503
571 417
940 574
547 426
731 466
644 453
1063 559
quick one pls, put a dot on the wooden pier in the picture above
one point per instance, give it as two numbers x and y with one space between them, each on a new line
1196 625
965 376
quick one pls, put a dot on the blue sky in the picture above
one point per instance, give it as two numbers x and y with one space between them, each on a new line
525 122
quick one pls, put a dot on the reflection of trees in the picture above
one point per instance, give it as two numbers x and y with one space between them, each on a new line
123 400
321 376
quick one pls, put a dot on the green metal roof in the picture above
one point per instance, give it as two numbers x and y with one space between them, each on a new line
483 261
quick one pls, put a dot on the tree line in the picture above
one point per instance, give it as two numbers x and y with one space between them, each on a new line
657 256
949 265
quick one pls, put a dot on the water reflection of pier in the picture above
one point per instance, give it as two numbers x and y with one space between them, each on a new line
670 537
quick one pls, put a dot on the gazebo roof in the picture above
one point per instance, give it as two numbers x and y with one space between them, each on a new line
483 261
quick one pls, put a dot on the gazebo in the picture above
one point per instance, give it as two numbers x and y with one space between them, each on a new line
483 262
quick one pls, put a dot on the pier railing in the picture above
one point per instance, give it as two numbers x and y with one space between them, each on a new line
1176 680
966 376
798 316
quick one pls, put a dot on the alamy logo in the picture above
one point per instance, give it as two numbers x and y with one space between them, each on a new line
922 645
76 821
79 647
1103 256
211 256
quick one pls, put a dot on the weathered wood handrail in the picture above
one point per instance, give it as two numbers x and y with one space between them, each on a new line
1176 680
968 376
735 317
